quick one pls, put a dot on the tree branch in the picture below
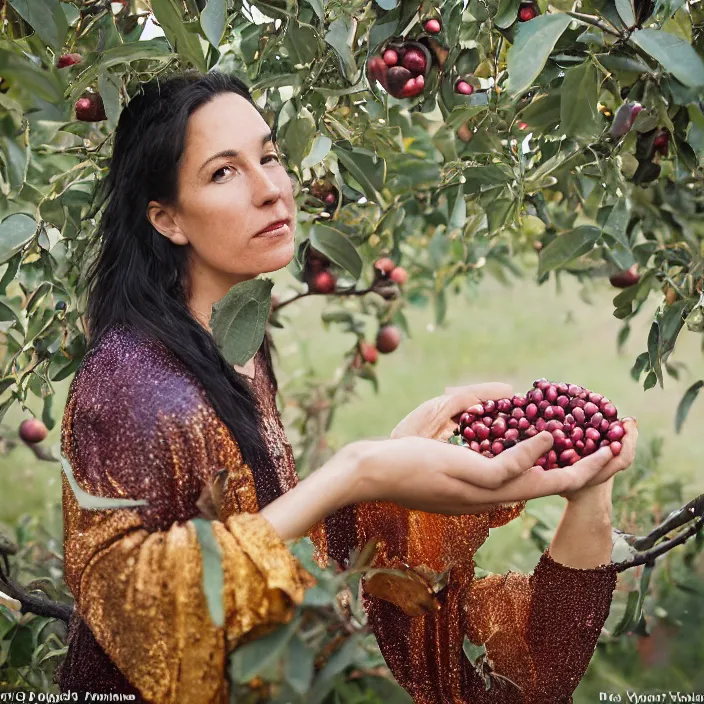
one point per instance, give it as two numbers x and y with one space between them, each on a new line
649 556
32 603
353 292
690 511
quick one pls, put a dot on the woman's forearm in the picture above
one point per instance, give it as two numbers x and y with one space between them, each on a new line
321 493
583 537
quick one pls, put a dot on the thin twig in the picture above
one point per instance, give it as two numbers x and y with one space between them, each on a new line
353 292
694 509
649 556
595 22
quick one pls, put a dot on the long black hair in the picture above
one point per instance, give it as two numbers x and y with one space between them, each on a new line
139 277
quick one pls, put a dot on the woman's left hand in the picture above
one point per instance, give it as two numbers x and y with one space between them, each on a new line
435 419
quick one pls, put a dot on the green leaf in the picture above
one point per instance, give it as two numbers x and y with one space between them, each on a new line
654 351
458 214
238 320
686 403
299 665
212 21
617 222
628 618
579 114
299 134
30 78
319 150
47 20
368 174
186 44
15 231
534 42
96 503
338 663
110 94
387 5
640 364
336 247
507 13
567 246
155 49
472 651
213 575
674 54
626 12
340 37
250 659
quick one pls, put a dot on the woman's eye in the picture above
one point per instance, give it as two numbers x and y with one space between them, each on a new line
272 156
222 168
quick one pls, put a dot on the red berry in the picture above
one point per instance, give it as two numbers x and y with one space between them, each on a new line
660 142
616 432
616 447
432 26
522 125
385 265
90 108
388 339
399 275
68 60
324 282
414 60
464 88
527 13
624 279
330 198
370 353
33 430
390 57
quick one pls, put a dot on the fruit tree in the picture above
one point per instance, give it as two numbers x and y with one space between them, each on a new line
430 143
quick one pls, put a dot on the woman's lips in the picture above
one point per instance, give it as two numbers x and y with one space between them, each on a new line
278 231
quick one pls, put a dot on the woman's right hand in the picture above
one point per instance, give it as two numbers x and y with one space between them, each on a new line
438 477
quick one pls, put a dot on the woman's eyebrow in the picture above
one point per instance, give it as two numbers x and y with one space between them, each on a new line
268 137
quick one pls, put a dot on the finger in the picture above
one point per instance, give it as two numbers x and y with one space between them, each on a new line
461 463
521 457
538 482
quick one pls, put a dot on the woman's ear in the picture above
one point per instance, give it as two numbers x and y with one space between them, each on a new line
164 223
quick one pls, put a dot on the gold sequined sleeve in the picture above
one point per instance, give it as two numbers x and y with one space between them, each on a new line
539 630
136 573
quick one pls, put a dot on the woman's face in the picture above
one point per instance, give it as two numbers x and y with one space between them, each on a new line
231 185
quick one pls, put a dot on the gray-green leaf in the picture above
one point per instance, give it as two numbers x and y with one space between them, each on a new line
15 231
47 20
674 54
212 21
686 403
336 247
534 42
238 320
579 114
213 575
96 503
567 246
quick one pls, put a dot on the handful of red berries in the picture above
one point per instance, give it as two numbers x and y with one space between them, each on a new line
579 420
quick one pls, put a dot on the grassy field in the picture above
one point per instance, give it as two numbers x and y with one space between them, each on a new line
511 333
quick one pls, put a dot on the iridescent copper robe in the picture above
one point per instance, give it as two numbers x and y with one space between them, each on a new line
137 424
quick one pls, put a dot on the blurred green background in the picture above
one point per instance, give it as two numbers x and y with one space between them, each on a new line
513 333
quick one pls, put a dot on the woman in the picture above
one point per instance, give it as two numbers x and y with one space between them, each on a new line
154 412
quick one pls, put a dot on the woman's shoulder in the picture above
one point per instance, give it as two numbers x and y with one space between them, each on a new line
125 369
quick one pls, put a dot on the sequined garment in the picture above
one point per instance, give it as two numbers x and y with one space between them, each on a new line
137 424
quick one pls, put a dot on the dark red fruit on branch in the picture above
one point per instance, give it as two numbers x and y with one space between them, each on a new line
399 275
432 26
385 265
412 88
390 57
68 60
464 88
624 279
397 77
90 108
330 198
660 142
323 282
414 61
388 339
527 13
370 353
33 431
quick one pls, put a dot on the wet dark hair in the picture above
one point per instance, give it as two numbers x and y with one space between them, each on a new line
138 278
